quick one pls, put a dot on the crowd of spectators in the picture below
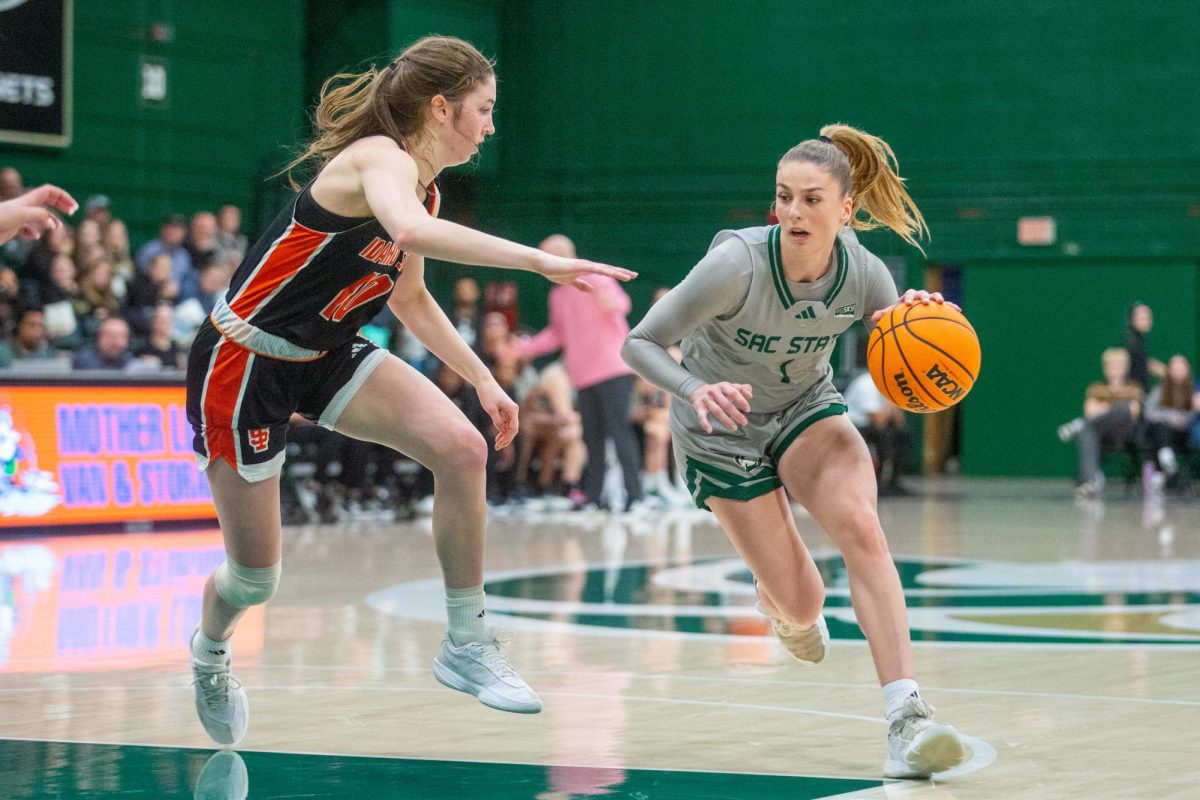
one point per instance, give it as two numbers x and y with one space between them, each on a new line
1144 410
81 297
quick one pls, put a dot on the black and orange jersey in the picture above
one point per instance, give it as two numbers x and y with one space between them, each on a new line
311 281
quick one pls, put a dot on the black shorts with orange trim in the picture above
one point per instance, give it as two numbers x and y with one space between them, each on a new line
239 402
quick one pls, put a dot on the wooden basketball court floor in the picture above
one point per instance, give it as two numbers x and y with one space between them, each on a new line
1063 641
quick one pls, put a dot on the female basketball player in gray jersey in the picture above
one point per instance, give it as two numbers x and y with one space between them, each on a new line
758 318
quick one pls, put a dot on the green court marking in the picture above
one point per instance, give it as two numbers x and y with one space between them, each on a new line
35 770
605 590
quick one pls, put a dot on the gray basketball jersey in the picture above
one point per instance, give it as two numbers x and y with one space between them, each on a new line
780 337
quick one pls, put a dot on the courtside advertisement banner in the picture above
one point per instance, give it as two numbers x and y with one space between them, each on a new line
35 72
97 454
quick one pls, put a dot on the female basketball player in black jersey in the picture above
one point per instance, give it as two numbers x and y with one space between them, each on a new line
284 340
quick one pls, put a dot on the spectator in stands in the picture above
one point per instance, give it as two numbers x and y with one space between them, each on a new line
156 284
10 284
10 302
650 415
96 300
63 280
201 243
466 315
1112 410
111 350
29 342
171 234
882 426
35 274
552 434
88 242
589 328
99 209
1171 410
1141 364
231 243
11 185
116 247
502 296
497 351
158 347
59 296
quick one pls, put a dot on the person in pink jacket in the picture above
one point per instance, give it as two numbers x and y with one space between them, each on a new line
589 328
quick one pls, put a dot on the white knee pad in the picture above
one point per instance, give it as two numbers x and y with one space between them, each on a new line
242 587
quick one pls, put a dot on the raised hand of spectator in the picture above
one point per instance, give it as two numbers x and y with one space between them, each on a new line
30 214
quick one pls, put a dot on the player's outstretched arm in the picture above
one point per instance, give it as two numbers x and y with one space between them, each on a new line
31 213
386 173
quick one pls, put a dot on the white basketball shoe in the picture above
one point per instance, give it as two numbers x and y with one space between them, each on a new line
917 746
220 699
480 669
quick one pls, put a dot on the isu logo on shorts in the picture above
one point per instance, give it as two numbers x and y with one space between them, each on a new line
259 438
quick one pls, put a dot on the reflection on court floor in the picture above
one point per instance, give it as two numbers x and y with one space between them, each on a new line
1038 624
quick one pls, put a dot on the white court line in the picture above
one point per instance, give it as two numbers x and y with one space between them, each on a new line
773 681
652 676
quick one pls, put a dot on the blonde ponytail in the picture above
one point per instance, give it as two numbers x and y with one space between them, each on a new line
866 168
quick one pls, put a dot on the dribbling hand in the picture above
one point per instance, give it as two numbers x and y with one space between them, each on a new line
503 411
911 298
571 270
725 401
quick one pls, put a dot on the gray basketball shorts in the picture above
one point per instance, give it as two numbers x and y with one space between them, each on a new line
741 464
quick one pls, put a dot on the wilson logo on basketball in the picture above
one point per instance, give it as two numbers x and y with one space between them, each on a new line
944 382
259 438
910 397
356 294
381 251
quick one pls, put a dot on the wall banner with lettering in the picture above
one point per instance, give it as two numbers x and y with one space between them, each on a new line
35 72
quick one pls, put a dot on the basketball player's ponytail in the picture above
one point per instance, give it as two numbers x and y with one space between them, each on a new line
865 166
392 101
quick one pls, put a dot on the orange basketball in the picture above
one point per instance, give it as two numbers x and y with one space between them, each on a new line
923 358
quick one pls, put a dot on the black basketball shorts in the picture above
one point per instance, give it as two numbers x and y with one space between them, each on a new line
239 402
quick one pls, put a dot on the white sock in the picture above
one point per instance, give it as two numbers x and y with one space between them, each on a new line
464 608
210 651
894 695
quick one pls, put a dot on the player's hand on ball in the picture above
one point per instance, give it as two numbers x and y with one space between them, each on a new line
912 297
725 401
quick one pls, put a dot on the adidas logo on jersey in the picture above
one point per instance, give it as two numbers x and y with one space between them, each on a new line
357 348
809 312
